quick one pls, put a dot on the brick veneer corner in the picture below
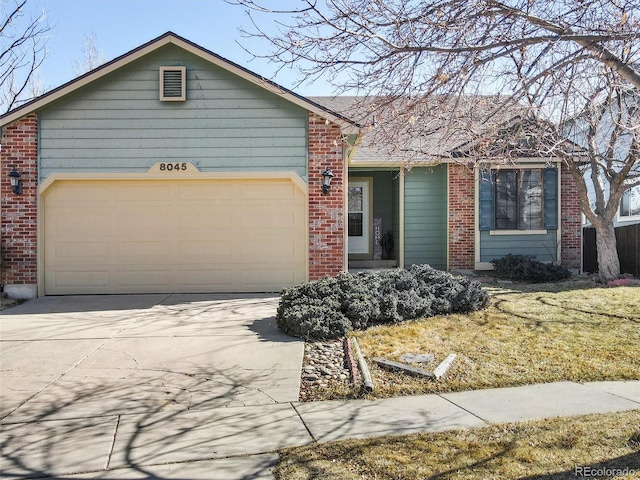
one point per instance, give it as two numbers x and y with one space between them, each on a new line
461 217
326 211
19 216
571 221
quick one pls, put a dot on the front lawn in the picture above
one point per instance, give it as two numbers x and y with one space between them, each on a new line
589 446
574 330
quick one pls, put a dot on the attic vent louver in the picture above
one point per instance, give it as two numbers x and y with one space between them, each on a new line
173 84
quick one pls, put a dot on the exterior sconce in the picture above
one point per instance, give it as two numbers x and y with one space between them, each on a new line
16 183
327 175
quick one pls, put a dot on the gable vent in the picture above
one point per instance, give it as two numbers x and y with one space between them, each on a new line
173 84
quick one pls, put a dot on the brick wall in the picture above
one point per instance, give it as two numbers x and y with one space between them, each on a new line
18 220
461 217
570 221
326 211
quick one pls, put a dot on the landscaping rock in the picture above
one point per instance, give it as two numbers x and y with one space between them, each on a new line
323 365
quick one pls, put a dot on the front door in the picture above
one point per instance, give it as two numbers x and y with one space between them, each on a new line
359 217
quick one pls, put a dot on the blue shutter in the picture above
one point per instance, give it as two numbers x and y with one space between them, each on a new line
486 201
551 198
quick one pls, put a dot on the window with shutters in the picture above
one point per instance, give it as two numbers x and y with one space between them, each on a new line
173 84
521 199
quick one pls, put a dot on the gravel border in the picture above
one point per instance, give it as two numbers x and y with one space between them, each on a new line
327 365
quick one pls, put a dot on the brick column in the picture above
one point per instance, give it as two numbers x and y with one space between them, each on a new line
18 219
326 211
570 221
461 217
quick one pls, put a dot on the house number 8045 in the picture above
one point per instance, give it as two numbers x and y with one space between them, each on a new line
170 167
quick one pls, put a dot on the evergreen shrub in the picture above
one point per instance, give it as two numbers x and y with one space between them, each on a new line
524 268
331 307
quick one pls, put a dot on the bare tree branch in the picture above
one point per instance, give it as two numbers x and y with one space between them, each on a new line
565 71
22 51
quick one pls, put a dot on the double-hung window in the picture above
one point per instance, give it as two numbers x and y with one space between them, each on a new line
518 199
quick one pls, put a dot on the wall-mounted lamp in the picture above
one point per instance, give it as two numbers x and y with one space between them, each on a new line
16 183
327 175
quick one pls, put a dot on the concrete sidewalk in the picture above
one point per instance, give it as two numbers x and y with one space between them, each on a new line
241 442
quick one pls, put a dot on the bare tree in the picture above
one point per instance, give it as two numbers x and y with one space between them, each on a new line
22 51
423 69
92 56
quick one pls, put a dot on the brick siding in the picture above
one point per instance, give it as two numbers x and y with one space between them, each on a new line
570 221
18 220
461 217
326 211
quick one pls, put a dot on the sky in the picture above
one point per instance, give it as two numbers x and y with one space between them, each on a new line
122 25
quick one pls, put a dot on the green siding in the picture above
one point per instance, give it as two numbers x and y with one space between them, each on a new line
118 124
543 247
383 198
425 217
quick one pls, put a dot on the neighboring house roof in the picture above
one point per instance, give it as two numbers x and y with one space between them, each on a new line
346 124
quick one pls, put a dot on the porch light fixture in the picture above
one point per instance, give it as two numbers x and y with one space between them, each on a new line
16 183
327 175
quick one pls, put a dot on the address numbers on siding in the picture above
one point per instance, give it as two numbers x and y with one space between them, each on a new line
173 167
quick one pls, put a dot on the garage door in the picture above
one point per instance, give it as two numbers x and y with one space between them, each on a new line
158 236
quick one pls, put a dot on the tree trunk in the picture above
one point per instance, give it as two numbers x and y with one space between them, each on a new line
608 261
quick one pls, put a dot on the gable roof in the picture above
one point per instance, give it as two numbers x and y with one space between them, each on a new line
346 124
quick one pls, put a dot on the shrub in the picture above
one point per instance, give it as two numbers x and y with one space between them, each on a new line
525 268
331 307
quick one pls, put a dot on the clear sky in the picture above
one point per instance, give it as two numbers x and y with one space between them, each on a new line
122 25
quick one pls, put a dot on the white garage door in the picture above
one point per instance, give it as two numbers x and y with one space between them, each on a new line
173 236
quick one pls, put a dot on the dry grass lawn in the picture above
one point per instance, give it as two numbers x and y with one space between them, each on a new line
573 330
542 450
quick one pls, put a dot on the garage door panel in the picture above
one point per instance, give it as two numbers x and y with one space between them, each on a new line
218 280
89 250
79 219
275 277
70 281
153 192
141 278
220 193
261 192
207 217
127 251
284 250
173 236
199 252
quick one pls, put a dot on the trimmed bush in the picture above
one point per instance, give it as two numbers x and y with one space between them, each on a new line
525 268
331 307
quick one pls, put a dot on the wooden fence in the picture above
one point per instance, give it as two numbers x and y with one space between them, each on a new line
628 242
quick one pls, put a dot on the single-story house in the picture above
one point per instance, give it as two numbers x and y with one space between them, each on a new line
172 169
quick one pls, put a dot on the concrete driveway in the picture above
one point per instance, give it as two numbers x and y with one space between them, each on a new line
96 356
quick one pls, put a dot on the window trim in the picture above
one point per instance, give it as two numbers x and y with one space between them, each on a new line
518 232
518 172
626 218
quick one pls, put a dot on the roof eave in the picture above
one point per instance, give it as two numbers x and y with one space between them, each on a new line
347 125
